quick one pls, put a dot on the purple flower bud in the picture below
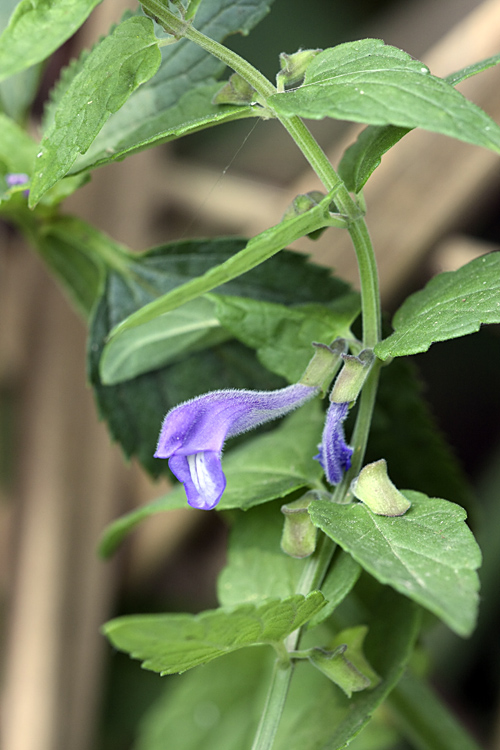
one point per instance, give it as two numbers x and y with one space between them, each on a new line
334 455
193 434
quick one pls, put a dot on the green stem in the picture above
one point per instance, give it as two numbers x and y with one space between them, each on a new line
311 579
273 709
316 157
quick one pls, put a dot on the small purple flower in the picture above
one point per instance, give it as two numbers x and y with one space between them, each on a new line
193 434
334 455
17 178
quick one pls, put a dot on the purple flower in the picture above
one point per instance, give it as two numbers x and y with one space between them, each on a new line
17 178
193 434
334 455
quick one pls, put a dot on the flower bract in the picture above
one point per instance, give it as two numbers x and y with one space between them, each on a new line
193 434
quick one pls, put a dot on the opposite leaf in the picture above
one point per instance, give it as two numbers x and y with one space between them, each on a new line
429 554
178 100
175 643
452 304
111 72
365 154
37 28
374 83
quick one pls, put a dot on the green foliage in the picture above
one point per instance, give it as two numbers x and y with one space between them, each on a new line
162 340
176 643
265 468
256 567
393 626
74 251
452 304
260 248
134 409
345 663
178 100
37 28
210 708
362 158
374 83
282 335
472 70
213 707
423 719
17 149
110 73
429 554
199 315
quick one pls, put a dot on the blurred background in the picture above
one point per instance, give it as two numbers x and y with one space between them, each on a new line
432 206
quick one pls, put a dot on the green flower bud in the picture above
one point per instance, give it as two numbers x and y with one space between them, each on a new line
374 488
352 377
236 91
338 668
293 67
299 533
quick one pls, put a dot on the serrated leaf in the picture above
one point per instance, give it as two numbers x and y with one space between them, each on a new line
452 304
61 86
260 248
226 708
256 567
361 159
265 468
158 342
368 81
178 100
37 28
429 554
174 643
134 409
282 336
120 63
